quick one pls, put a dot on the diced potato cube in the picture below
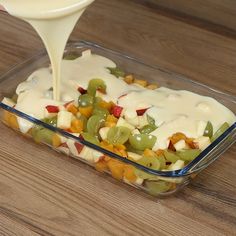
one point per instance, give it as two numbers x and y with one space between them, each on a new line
181 144
24 125
130 114
103 132
64 119
134 156
134 121
131 117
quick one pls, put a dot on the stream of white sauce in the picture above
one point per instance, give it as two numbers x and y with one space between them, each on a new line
54 22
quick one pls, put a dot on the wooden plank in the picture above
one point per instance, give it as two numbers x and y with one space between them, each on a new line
215 11
10 227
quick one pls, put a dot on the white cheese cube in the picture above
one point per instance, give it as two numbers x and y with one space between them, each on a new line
134 156
202 142
103 132
161 144
181 144
24 125
64 119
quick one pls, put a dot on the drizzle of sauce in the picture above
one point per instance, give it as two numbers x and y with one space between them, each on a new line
35 93
173 111
54 22
179 111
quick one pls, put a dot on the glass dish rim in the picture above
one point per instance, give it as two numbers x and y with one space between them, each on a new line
185 171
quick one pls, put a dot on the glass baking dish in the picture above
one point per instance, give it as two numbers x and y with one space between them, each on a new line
157 183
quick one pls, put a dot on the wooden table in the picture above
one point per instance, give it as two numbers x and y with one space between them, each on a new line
45 193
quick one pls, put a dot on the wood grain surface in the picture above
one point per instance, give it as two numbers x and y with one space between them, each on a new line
45 193
214 11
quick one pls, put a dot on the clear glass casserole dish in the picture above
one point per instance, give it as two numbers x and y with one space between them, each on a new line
157 183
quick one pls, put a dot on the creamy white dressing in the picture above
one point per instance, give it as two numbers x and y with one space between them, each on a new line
173 111
54 22
35 93
178 111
